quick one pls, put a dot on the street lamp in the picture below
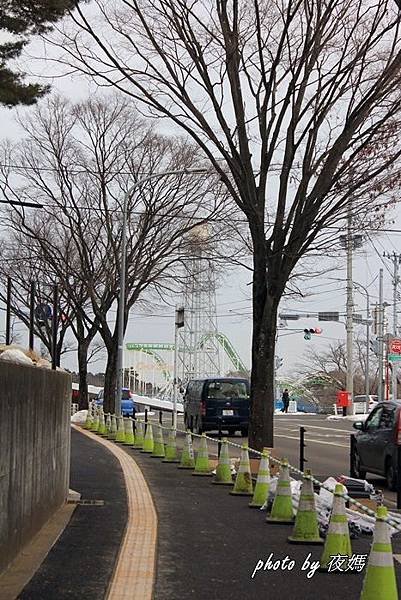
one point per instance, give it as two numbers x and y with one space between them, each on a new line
121 308
367 366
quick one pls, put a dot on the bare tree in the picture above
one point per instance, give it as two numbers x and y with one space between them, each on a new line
325 372
295 104
79 161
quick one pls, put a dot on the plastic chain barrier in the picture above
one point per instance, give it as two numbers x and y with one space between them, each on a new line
347 498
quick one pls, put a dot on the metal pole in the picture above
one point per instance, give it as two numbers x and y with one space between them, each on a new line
395 324
367 364
351 455
380 336
349 311
8 312
31 315
175 375
54 327
121 308
302 448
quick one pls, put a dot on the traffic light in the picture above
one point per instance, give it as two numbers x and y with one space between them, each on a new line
309 332
374 347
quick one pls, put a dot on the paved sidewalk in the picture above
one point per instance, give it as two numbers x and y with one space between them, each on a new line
209 542
81 563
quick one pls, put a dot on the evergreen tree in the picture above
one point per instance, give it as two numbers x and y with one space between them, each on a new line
23 19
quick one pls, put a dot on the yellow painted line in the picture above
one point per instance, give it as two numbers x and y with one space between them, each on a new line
134 573
291 437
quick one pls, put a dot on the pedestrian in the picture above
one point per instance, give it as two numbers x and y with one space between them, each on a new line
286 401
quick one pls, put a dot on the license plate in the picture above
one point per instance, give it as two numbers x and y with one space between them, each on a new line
228 413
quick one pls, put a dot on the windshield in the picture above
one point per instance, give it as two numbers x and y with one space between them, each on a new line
227 389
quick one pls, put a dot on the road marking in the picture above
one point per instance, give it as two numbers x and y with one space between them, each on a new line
326 428
290 437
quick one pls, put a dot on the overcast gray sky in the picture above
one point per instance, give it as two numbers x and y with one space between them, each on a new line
233 301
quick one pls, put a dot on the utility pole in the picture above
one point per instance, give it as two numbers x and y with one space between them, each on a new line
349 311
380 339
395 258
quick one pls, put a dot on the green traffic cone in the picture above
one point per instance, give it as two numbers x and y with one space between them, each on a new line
262 486
223 470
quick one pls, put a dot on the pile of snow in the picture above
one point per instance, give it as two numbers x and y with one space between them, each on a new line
360 417
21 356
79 417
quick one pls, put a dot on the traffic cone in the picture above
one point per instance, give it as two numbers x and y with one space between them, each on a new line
380 582
108 424
337 539
202 458
120 435
223 471
147 445
262 483
282 510
243 482
113 428
95 421
187 455
306 528
158 444
171 447
89 419
138 434
102 425
129 432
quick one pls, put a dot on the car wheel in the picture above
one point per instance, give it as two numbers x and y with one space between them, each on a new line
231 431
360 473
391 476
198 428
244 432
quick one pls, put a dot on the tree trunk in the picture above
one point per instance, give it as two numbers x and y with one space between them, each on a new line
264 330
110 376
83 373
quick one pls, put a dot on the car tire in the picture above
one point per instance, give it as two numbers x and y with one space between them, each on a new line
244 432
391 475
356 461
231 431
198 428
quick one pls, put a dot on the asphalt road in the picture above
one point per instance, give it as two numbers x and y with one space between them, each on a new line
327 442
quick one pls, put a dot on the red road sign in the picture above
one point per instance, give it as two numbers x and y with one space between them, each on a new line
395 346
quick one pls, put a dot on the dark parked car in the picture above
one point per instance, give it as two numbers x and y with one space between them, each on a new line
376 443
128 408
218 401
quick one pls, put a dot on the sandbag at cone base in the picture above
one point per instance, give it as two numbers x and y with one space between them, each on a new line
202 466
243 485
306 527
120 435
187 455
138 435
171 448
282 511
158 443
262 485
223 470
380 582
147 446
129 431
337 540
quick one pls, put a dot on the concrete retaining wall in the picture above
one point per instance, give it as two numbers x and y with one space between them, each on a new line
34 452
